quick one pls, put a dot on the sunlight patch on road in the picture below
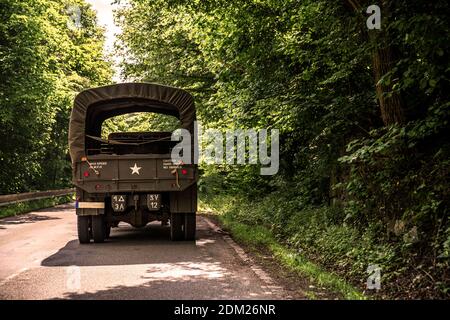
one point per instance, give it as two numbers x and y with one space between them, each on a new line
203 242
185 270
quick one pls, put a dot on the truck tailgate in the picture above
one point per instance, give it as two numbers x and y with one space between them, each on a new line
112 173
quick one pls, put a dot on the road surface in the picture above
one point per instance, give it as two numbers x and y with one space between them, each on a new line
40 258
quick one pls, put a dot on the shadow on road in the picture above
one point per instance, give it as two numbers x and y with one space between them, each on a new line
25 218
128 246
195 276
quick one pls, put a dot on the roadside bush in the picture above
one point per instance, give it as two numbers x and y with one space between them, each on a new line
322 235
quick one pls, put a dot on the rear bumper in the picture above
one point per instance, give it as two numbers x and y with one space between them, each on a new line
98 203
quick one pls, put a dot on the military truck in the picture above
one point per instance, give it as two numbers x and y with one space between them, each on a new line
130 176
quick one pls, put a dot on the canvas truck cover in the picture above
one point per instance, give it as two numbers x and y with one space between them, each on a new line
93 106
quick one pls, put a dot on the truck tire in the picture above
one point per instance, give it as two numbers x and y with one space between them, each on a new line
84 232
98 228
176 226
189 226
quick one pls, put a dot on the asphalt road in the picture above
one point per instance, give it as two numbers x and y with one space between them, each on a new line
40 258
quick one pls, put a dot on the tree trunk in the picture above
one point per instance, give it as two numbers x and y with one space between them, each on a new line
391 106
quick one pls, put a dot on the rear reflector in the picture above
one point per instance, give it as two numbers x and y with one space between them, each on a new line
89 205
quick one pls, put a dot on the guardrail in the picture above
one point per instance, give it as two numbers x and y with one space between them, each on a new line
8 199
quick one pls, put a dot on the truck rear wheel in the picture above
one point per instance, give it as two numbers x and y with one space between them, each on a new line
176 226
84 232
98 228
189 226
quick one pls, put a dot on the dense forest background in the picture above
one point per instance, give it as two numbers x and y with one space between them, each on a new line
45 59
363 116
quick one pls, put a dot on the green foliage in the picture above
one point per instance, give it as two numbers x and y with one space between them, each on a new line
319 235
352 189
139 122
259 236
355 188
44 64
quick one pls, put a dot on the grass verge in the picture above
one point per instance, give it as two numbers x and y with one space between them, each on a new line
27 206
259 236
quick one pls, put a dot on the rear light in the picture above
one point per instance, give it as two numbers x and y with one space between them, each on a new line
86 174
184 171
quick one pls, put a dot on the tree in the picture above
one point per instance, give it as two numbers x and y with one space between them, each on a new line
44 63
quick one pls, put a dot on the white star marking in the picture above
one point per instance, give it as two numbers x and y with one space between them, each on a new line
135 169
